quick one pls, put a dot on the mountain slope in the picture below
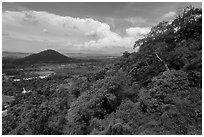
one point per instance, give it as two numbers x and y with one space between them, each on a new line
46 56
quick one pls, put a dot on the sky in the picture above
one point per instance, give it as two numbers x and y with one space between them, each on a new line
68 27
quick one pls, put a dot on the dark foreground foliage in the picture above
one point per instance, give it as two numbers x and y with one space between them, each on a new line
157 90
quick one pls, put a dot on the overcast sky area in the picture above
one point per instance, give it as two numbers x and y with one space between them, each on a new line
106 28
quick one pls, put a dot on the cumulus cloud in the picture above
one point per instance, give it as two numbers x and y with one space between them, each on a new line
91 34
138 31
68 32
169 14
110 21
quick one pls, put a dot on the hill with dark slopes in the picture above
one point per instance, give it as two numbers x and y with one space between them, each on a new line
46 56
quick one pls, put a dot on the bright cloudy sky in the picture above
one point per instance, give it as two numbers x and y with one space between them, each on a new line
107 28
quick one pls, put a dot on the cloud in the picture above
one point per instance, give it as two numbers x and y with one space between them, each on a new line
115 42
45 31
169 14
91 34
29 16
111 41
110 21
6 35
66 32
138 31
136 20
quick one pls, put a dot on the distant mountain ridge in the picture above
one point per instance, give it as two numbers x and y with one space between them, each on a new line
46 56
51 56
14 55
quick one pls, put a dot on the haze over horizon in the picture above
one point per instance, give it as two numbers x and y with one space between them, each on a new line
105 28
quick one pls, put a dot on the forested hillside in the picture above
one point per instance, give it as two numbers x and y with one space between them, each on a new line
157 90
